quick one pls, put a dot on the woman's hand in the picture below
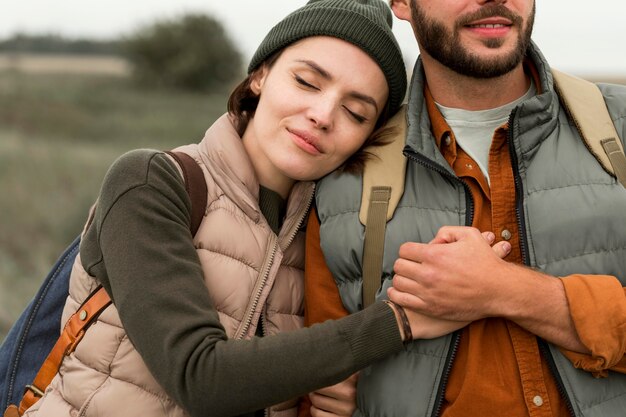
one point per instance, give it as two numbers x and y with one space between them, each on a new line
337 400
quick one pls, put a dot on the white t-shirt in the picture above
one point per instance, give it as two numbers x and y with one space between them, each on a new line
474 130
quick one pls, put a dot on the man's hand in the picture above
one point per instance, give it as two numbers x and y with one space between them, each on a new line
458 276
336 400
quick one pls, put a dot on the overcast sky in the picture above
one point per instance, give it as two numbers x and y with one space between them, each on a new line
582 37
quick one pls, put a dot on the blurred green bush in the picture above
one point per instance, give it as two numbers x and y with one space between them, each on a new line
192 52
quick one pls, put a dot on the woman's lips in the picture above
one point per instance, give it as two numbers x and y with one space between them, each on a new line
306 141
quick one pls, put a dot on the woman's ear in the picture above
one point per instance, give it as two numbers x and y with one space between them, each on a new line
258 79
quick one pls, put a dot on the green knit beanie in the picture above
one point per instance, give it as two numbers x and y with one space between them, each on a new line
364 23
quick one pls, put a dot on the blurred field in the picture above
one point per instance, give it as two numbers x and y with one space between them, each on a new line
66 64
59 132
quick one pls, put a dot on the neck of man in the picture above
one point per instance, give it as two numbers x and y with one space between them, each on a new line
451 89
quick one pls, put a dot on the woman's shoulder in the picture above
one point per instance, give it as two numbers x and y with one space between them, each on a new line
137 168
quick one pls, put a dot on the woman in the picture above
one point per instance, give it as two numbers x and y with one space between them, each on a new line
319 85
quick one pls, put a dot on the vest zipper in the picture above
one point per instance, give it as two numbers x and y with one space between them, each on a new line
258 289
545 350
454 346
521 224
299 217
469 216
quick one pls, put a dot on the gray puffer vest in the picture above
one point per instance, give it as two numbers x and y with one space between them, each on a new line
571 213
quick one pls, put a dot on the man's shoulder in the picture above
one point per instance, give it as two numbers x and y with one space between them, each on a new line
615 97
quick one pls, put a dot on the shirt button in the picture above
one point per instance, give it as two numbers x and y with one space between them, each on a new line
538 401
448 141
506 235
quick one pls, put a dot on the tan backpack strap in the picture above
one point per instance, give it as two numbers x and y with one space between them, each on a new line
586 106
386 167
613 149
374 244
383 186
72 333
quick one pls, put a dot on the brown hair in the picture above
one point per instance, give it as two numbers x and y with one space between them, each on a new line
243 102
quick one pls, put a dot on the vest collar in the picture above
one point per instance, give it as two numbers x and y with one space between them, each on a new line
231 169
540 112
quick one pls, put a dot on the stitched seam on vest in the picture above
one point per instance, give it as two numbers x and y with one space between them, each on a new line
143 388
584 254
235 212
530 149
279 313
565 124
231 257
403 206
599 402
582 184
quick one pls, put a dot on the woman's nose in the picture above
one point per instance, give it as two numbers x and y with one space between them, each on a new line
321 113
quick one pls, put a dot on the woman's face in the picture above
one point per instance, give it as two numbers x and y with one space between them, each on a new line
318 104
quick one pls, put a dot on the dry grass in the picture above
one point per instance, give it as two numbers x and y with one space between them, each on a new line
58 135
66 64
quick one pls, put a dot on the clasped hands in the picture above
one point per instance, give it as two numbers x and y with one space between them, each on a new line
442 285
457 278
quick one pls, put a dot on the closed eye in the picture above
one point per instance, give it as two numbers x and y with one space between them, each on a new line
305 83
359 118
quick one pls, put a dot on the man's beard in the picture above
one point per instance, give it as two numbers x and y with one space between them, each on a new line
445 46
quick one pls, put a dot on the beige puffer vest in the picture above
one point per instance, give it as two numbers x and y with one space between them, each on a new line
105 376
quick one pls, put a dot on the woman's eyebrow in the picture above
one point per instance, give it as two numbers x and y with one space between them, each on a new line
325 74
314 66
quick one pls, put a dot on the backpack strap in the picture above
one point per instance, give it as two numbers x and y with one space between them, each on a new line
383 177
586 107
99 300
195 185
72 333
383 186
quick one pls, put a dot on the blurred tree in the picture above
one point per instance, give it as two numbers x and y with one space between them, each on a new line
192 52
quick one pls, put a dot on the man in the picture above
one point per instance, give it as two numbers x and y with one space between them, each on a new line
489 145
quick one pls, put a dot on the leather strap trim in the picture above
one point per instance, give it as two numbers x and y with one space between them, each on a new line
72 333
586 107
616 156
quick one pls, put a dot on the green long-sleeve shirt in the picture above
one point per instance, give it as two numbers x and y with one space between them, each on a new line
139 246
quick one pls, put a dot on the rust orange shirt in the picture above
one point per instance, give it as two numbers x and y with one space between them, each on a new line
498 367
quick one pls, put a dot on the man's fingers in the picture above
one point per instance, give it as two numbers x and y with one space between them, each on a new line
502 249
490 237
411 251
405 299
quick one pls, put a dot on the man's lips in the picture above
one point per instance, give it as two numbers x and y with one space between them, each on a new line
306 141
490 27
491 23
